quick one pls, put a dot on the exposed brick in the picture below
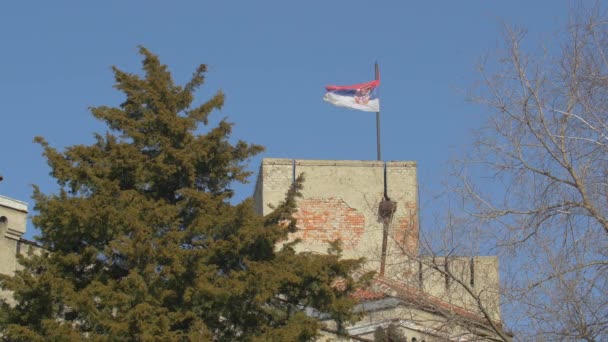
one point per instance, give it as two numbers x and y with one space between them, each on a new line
363 295
405 232
328 219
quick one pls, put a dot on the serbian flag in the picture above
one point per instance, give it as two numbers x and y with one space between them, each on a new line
362 96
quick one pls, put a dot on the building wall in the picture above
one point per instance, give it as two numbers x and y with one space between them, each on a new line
479 274
412 323
341 200
13 218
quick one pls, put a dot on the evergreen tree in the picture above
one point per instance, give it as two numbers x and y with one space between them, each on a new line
390 334
141 242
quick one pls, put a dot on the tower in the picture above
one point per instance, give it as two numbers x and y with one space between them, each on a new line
372 207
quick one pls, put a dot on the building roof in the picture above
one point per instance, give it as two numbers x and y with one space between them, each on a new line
13 204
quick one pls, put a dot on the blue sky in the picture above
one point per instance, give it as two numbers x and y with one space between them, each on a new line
272 59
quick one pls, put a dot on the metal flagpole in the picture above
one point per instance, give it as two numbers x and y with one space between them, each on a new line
385 201
378 119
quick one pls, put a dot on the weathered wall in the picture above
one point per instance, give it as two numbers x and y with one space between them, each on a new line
412 323
341 200
479 274
403 235
13 217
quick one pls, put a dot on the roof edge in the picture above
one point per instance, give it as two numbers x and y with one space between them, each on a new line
13 204
340 162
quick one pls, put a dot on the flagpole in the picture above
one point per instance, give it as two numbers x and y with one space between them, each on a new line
378 119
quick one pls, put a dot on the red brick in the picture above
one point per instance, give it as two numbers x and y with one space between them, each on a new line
328 219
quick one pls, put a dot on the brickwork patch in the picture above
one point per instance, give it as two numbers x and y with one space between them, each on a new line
326 219
406 231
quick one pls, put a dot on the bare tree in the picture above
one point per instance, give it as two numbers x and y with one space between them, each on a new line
537 180
452 280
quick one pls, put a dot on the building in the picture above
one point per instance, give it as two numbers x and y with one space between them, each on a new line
372 206
13 218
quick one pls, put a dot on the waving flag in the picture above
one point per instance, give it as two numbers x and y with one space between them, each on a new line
362 96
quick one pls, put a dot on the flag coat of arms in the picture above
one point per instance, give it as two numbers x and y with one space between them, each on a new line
362 96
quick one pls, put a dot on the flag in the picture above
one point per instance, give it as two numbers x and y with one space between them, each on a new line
362 96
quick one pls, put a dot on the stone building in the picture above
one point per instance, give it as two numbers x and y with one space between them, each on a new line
13 218
372 207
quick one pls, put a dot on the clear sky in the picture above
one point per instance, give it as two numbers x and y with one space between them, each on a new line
272 59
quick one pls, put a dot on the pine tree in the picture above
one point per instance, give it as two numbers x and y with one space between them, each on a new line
141 242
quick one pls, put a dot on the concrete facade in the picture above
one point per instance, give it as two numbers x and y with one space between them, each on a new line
343 200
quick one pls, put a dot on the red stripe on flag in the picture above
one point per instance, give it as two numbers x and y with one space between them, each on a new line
371 84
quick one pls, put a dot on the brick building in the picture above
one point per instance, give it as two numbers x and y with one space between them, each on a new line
372 206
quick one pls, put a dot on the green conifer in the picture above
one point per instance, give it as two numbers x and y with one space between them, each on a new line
389 334
141 242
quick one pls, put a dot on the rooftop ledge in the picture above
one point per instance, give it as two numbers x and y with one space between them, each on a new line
13 204
353 163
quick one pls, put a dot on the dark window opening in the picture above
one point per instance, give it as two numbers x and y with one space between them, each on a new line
472 271
420 274
446 274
